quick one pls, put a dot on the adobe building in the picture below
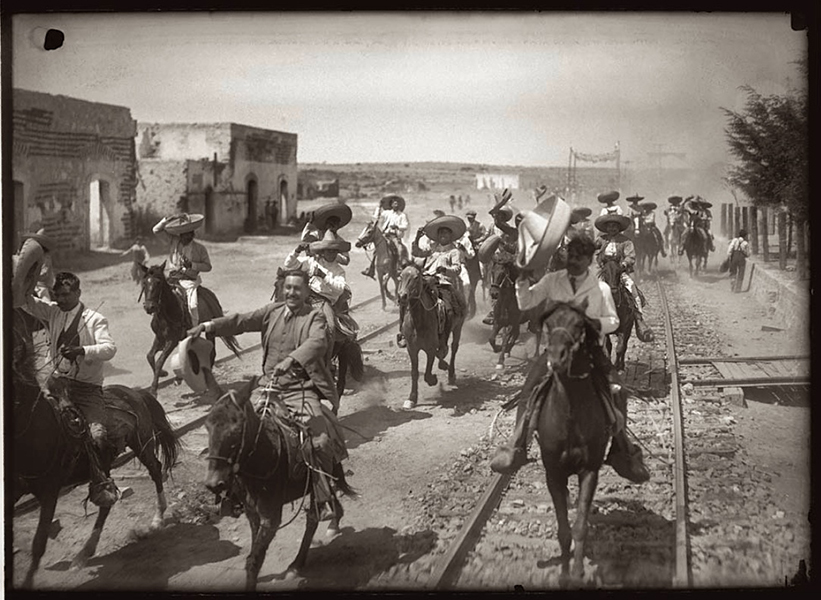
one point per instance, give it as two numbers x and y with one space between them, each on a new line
74 170
224 171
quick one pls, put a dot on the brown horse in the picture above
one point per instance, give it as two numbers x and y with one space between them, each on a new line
611 274
48 455
171 318
252 455
697 248
421 328
388 262
507 317
647 247
572 425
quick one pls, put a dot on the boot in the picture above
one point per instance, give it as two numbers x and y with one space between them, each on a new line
626 459
369 272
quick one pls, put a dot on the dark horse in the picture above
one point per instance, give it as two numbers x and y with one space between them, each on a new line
647 247
697 248
610 273
47 456
421 328
388 262
572 426
507 318
171 319
346 354
252 454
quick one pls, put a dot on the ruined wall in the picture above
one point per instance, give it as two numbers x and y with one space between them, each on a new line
60 145
161 184
184 141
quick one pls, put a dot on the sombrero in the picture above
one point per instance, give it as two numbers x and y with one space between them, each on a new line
438 213
705 204
46 242
190 357
323 213
501 201
455 224
488 247
183 223
541 231
608 197
648 206
621 220
635 199
330 241
25 270
583 212
386 202
675 200
504 214
470 213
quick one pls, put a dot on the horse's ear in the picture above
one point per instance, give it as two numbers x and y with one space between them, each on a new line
162 266
143 268
215 392
549 307
245 394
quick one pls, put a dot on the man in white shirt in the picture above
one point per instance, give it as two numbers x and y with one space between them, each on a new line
576 283
610 206
394 223
80 344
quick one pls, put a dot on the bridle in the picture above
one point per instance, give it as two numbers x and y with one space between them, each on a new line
576 344
419 287
506 280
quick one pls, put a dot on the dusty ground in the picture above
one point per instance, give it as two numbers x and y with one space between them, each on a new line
393 453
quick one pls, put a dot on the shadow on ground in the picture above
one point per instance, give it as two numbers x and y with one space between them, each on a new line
363 426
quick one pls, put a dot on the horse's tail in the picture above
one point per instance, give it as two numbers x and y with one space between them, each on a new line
342 483
353 352
212 305
169 444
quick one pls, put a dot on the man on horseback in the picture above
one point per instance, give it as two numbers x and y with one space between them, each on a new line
675 219
476 231
393 222
699 223
187 258
328 289
610 207
443 267
330 217
576 283
645 220
505 252
80 343
614 245
295 372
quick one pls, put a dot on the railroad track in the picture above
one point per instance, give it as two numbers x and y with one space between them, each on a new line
686 527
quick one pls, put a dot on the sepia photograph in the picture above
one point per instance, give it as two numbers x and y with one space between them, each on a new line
406 301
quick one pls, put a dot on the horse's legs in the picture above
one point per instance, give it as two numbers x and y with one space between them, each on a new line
311 523
413 352
166 352
494 331
454 346
48 504
557 485
621 349
333 526
148 456
587 488
430 378
90 546
152 353
261 539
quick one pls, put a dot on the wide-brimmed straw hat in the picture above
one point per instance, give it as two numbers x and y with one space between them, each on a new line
608 197
622 221
46 242
330 241
184 223
634 199
504 214
470 213
488 247
675 200
582 212
541 231
705 204
648 206
386 202
455 224
189 358
323 213
501 200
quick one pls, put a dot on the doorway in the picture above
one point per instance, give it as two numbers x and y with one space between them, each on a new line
283 200
99 217
251 217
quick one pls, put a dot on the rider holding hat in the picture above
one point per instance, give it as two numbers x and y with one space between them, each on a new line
187 258
330 217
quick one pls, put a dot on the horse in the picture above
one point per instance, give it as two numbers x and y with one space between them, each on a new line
696 246
346 354
420 328
49 455
387 262
252 455
610 273
171 319
675 227
572 426
473 267
647 248
507 317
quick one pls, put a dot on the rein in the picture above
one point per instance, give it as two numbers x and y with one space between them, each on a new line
574 348
419 297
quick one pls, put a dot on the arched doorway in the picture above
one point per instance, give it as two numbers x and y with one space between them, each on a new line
209 210
99 216
283 200
251 216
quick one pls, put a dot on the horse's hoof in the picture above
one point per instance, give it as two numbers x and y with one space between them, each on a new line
78 563
500 367
409 404
291 574
156 523
452 380
332 532
432 380
163 373
443 365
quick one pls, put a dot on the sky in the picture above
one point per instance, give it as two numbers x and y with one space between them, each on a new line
518 88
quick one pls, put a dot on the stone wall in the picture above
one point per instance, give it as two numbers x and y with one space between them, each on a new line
60 145
161 185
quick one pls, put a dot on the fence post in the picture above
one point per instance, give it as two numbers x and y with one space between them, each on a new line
765 235
782 240
724 219
730 222
737 220
744 218
754 229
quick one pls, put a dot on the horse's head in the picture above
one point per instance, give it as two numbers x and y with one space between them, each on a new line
367 235
153 283
610 273
411 282
227 424
502 275
568 330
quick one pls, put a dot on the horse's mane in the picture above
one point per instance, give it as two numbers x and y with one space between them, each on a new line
591 325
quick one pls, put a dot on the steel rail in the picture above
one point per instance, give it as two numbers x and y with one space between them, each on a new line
682 575
750 381
31 504
695 360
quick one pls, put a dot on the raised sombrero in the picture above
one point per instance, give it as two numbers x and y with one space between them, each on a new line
46 242
438 213
501 201
189 358
386 202
541 231
634 199
622 221
608 197
330 241
488 247
455 224
675 200
323 213
184 223
648 206
504 214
